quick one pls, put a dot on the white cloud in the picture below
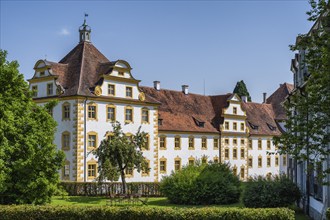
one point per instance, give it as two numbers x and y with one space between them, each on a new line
64 32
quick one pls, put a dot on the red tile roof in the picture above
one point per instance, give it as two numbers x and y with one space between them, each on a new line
179 112
277 98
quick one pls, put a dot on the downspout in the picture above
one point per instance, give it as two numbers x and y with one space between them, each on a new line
85 148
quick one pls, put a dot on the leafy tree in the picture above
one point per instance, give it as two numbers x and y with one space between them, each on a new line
308 125
29 161
241 90
118 152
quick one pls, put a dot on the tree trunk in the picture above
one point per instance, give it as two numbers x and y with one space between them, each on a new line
123 180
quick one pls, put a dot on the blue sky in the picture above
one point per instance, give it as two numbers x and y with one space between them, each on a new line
175 42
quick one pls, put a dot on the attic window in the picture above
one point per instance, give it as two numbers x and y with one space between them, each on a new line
120 73
199 122
42 73
160 121
254 127
271 127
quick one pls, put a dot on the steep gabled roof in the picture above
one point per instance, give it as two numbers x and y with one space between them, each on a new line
260 119
277 98
179 112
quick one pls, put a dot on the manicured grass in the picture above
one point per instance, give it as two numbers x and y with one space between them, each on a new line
152 202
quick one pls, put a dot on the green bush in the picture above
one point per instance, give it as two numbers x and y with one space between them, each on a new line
328 213
140 213
180 187
216 184
202 184
150 189
277 191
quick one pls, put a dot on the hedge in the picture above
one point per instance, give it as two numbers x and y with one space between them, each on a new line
29 212
149 189
328 213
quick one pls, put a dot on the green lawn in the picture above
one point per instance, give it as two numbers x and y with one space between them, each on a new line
152 202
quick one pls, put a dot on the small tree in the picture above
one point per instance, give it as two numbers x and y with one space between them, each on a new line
118 152
29 161
241 90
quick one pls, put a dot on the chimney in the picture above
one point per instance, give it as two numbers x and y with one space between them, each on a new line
244 98
185 89
265 97
157 85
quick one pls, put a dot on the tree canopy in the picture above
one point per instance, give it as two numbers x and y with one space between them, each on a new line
29 161
119 152
241 90
308 107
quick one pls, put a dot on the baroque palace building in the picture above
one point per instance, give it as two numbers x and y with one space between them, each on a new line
182 127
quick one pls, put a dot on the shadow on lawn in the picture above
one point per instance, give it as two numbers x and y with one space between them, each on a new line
85 200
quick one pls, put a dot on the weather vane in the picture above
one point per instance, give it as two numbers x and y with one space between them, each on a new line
86 15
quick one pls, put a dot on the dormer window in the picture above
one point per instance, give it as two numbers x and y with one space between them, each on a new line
254 127
160 121
271 127
42 73
234 110
199 122
120 73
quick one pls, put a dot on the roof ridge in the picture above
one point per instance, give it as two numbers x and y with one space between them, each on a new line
81 68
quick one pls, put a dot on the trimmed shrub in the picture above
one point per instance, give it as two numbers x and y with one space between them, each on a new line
150 189
140 213
202 184
328 213
216 184
277 191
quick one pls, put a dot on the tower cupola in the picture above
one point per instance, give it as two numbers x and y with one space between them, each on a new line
85 31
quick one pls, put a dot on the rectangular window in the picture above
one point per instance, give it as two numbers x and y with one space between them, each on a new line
145 115
42 73
250 145
284 160
235 153
191 143
235 171
234 110
227 154
268 144
226 125
129 171
242 141
204 143
111 89
242 153
215 143
91 170
242 127
177 143
129 115
191 162
226 141
50 89
145 171
250 162
260 162
216 160
242 173
111 115
120 73
234 126
276 161
66 111
92 112
162 166
259 145
92 140
146 144
268 162
234 141
129 92
34 91
162 142
66 142
66 170
177 165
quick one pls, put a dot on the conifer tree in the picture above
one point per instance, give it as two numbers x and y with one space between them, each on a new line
241 90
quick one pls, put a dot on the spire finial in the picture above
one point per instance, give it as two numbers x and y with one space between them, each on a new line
85 16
